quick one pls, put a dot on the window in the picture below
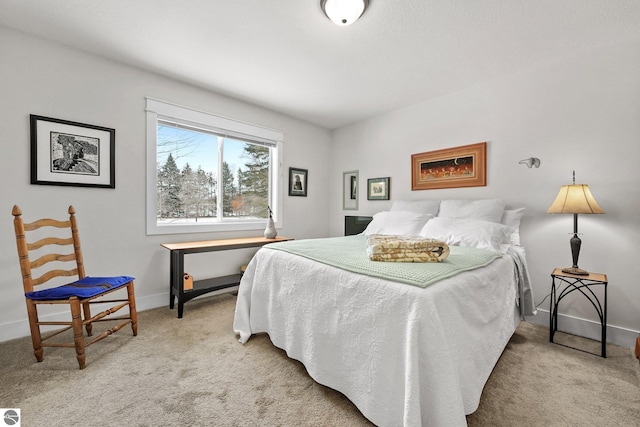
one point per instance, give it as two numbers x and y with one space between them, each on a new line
208 173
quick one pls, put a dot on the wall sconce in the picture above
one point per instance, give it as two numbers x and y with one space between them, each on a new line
343 12
531 161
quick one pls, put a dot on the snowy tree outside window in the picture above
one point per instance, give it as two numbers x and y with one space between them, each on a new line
205 175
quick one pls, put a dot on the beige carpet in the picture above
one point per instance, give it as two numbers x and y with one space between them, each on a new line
193 372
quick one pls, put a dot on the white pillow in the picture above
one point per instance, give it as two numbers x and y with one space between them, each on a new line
511 218
468 232
397 223
485 209
421 206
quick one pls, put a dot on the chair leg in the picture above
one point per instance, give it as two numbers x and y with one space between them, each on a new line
132 309
76 319
86 310
36 338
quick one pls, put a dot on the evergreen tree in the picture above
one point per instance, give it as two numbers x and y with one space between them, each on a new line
238 201
169 183
189 192
255 180
228 190
205 184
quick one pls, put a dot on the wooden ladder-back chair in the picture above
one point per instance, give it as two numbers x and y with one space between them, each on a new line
77 294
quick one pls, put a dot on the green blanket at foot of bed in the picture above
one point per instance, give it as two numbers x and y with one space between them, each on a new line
349 253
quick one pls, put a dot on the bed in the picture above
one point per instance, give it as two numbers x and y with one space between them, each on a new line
404 354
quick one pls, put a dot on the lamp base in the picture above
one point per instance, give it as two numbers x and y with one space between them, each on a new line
575 270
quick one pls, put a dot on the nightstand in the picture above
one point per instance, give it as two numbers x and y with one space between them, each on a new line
562 284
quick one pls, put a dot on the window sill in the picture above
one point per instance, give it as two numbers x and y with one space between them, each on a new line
154 229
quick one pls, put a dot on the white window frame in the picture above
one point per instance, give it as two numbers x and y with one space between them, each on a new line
156 110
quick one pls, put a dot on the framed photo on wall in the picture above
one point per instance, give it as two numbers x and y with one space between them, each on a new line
350 190
298 182
71 153
463 166
378 188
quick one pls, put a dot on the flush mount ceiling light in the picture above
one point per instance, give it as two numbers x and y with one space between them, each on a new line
344 12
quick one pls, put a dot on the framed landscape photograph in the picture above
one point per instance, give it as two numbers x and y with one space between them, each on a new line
298 182
463 166
378 188
72 154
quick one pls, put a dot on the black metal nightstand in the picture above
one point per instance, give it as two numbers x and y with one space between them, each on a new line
562 284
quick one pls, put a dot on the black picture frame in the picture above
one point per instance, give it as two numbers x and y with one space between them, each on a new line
353 187
378 188
298 181
68 153
350 190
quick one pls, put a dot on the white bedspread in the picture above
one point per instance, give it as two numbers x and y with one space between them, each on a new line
404 355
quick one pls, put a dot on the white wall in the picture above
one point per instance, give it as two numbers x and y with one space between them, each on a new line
580 114
39 77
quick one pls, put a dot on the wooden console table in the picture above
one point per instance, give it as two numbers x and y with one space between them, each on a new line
200 287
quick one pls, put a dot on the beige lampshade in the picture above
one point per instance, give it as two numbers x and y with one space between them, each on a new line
575 199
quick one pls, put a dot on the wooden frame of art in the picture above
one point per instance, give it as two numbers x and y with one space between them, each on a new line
463 166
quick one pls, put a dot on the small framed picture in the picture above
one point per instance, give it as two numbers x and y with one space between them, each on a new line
350 191
70 153
378 188
298 182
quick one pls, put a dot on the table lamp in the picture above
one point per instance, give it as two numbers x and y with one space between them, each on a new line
575 199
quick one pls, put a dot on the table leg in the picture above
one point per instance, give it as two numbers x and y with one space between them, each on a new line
552 308
604 324
178 278
172 283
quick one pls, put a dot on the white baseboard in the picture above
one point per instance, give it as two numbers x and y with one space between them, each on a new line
587 328
573 325
20 328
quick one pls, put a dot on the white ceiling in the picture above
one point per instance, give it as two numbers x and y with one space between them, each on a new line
287 56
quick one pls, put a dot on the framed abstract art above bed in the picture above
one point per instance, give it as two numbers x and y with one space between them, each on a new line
463 166
408 343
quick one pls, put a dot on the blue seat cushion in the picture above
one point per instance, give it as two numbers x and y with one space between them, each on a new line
83 288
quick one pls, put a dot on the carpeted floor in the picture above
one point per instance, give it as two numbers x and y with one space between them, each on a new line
193 372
